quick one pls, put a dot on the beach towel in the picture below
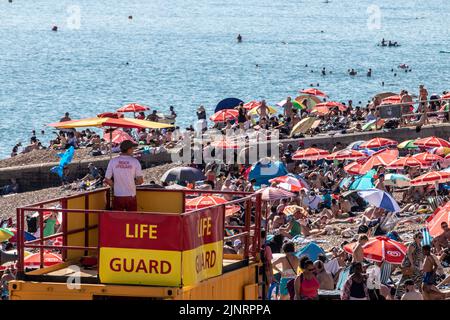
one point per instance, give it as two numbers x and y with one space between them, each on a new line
386 271
343 276
311 250
427 238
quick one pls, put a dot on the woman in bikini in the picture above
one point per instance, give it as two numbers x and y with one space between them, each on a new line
289 265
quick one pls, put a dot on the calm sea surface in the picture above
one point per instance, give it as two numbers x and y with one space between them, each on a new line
184 53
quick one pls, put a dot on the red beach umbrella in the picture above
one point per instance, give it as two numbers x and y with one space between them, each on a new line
380 249
118 136
432 177
331 104
432 142
427 157
252 104
289 183
34 260
378 143
392 100
407 162
273 194
346 154
314 92
133 107
208 201
225 115
310 154
442 215
353 168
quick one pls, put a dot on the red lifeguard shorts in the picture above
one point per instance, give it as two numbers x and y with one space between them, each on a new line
125 204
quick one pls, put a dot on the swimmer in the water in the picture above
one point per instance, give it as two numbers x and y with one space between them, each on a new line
395 74
353 72
130 17
383 42
239 38
318 84
323 71
306 66
311 85
382 83
257 65
369 72
54 28
312 71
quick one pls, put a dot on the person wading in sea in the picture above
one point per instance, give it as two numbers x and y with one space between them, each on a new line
127 173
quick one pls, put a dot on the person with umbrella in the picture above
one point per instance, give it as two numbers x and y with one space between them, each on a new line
127 173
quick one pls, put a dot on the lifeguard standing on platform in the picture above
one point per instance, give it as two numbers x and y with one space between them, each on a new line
127 173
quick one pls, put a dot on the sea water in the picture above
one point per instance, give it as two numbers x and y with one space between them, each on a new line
184 53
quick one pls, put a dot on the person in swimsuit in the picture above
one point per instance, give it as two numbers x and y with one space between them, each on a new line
288 271
355 288
242 116
288 108
430 266
262 110
413 259
306 285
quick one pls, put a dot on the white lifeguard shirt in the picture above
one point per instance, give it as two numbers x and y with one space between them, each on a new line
124 169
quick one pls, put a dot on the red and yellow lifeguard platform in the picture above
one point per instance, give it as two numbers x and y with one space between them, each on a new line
158 252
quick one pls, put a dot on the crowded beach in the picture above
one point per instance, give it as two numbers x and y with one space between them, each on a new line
364 221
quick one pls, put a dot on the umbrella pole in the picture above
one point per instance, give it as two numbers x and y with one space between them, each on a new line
110 143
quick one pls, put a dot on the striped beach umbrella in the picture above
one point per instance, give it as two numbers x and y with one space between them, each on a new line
346 154
433 177
310 154
208 201
431 142
252 104
353 168
331 104
50 259
378 143
133 107
402 162
427 157
224 115
380 199
381 249
289 183
273 194
408 144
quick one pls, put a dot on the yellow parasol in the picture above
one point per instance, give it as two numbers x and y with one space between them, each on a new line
111 123
303 126
254 111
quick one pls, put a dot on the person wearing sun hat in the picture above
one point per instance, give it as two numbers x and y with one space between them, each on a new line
127 173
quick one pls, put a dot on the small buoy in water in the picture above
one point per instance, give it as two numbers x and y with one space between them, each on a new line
130 17
55 28
395 74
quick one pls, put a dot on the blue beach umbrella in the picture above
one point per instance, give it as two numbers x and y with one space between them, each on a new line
380 199
263 172
228 103
364 182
